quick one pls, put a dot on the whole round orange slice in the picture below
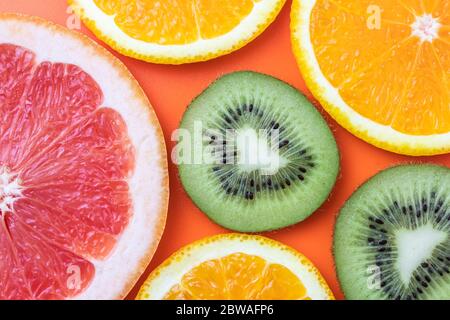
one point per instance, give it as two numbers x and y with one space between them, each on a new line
236 267
381 68
83 172
177 31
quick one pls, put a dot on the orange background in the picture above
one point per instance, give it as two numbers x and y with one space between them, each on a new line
171 88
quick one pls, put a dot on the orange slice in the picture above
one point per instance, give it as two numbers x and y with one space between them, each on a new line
177 31
83 169
381 68
235 266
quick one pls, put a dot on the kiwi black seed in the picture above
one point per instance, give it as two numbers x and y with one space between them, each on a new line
392 237
237 192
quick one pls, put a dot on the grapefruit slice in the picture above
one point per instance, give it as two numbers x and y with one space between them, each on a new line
236 267
83 170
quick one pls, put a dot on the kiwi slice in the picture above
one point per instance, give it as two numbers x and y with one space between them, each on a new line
262 156
392 237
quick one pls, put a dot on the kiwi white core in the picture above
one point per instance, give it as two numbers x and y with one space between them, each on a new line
414 247
257 152
10 190
426 28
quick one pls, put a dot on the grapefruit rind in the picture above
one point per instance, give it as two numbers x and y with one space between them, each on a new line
103 26
170 273
382 136
117 274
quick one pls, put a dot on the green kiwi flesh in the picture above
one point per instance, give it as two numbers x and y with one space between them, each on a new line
392 237
248 198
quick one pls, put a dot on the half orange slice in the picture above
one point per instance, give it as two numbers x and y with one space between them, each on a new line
177 31
235 266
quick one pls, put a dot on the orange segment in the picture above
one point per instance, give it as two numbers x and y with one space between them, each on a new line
238 276
381 69
426 99
205 281
218 17
444 36
108 6
280 283
431 5
374 101
346 46
416 7
161 22
443 11
240 271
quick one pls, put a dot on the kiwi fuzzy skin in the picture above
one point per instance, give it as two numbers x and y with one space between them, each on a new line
353 280
266 215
